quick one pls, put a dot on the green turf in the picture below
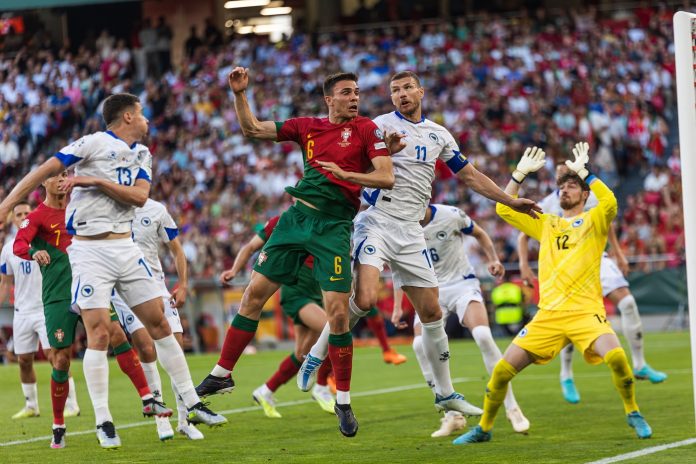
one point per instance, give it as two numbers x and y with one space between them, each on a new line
394 426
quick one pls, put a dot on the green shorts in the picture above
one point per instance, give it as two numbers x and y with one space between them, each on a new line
304 231
295 297
60 324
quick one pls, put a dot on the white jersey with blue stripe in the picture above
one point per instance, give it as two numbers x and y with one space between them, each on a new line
444 236
27 281
103 155
551 204
153 225
414 166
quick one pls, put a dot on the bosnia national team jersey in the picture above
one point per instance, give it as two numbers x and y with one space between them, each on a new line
351 145
444 235
103 155
153 225
570 251
414 166
27 281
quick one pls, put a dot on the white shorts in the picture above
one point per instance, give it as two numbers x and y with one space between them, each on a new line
28 331
379 239
130 321
610 275
99 266
455 297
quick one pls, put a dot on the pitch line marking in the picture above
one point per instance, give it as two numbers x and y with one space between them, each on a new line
645 452
380 391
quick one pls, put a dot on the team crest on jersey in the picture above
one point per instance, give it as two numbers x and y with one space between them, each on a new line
522 333
24 224
370 250
442 235
577 222
146 221
112 155
60 335
262 258
345 136
433 137
379 134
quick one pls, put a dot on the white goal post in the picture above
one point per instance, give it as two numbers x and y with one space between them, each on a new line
685 54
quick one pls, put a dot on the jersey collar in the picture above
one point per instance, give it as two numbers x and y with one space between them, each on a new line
401 116
118 138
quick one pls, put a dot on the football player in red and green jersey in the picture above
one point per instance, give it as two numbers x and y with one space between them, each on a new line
342 153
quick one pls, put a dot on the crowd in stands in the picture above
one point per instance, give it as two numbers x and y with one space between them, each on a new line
497 85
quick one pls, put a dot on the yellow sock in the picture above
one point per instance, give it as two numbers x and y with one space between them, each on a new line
622 375
502 374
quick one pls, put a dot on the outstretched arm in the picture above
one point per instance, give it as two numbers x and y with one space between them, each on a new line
29 183
251 127
242 258
381 177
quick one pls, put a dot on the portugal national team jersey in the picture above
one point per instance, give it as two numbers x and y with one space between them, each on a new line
268 228
570 252
414 166
44 229
350 145
103 155
153 225
27 281
444 236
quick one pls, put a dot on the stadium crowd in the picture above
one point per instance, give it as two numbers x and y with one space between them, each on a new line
497 85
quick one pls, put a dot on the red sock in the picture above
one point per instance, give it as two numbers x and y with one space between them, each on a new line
286 371
130 365
376 325
238 336
59 395
342 362
324 371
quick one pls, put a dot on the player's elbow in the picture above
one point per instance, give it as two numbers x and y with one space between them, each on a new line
140 199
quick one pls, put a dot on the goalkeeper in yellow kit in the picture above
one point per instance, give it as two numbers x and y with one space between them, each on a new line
571 309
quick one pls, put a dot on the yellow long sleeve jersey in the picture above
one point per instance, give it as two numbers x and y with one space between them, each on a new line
570 251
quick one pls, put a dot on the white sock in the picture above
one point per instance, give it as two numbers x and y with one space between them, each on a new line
96 369
153 379
320 349
219 371
436 348
423 362
355 313
171 356
342 397
71 402
632 329
491 355
30 395
265 390
181 410
567 362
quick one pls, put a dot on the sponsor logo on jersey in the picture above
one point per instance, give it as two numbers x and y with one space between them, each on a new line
53 226
442 235
370 250
433 137
146 221
345 136
577 222
59 334
262 258
24 224
87 291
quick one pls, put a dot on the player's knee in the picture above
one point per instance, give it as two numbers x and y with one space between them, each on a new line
61 360
430 314
146 352
100 336
25 361
338 322
252 301
365 300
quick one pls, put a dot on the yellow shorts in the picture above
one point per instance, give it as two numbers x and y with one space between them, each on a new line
546 335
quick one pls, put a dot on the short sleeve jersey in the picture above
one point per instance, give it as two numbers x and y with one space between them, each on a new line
444 236
27 281
414 166
351 145
153 225
103 155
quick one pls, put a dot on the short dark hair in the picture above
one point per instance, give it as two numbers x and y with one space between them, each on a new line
115 105
20 203
572 177
403 74
330 82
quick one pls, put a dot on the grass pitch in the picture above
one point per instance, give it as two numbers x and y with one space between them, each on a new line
394 409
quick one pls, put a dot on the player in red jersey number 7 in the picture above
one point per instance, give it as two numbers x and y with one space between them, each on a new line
338 153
